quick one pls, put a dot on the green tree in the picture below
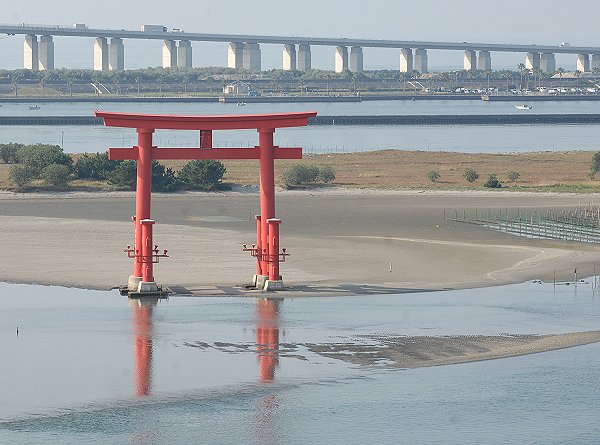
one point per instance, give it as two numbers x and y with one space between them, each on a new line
16 78
470 175
94 166
513 176
300 174
578 75
20 175
488 74
204 175
38 156
326 173
522 69
8 152
508 76
433 175
492 182
163 178
124 175
56 174
595 166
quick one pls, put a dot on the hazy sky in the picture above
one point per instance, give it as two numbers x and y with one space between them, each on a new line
508 21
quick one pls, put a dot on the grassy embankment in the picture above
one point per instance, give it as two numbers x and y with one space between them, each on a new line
394 169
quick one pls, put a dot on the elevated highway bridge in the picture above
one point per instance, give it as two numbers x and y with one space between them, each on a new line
244 51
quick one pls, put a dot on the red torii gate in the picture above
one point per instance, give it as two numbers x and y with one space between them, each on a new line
266 250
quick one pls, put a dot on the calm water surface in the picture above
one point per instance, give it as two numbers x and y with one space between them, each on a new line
93 367
471 138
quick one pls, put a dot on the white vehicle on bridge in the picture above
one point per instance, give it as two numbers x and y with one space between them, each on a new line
153 28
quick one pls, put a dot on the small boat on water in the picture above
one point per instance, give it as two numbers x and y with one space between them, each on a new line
241 104
34 107
523 107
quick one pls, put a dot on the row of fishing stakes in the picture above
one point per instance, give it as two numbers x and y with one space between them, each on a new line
266 250
581 224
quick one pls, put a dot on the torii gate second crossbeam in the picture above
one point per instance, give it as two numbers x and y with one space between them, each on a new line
266 249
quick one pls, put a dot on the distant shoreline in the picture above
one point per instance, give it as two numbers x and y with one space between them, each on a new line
295 99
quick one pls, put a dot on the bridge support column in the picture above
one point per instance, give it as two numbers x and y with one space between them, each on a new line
356 59
583 63
484 61
470 60
595 62
116 55
304 57
341 59
169 54
184 54
235 55
30 53
532 61
420 61
406 60
289 57
548 63
252 57
100 54
46 53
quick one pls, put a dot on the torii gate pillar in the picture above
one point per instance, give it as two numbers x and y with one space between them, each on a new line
142 279
267 277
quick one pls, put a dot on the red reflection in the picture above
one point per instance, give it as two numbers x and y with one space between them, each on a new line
267 338
142 345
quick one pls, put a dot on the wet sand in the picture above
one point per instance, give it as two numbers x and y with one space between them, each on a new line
418 352
342 242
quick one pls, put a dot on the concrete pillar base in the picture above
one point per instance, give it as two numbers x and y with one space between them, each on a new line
259 281
271 285
147 287
133 283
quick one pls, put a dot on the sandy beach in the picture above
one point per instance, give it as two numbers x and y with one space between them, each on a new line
341 241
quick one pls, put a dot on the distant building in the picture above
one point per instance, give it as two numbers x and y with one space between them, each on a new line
238 88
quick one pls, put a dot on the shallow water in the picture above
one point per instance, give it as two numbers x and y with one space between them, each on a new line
93 367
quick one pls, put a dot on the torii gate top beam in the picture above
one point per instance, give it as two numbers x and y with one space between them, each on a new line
185 122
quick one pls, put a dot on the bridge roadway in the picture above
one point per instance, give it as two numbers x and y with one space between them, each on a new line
29 29
244 50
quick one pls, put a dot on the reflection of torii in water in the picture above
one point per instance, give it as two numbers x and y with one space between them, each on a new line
264 419
142 346
267 341
267 337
